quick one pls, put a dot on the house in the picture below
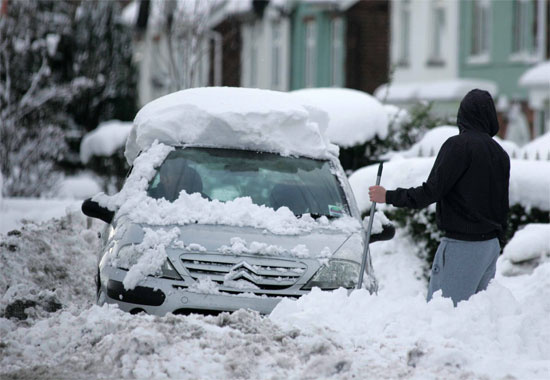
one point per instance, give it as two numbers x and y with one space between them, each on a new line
339 44
442 49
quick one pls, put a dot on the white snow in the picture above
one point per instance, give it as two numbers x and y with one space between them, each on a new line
130 13
530 244
80 186
233 118
501 333
432 141
52 40
441 90
18 212
132 201
397 117
105 140
354 116
538 76
529 180
538 149
151 255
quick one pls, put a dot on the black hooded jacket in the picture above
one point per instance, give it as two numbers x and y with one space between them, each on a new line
470 177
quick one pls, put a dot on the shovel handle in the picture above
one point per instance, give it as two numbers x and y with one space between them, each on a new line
369 229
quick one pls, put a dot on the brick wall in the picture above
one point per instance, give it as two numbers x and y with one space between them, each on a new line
367 45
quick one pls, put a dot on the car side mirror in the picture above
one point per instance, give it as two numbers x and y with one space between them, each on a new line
388 232
382 228
94 210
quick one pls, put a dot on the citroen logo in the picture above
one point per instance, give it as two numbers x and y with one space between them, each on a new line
242 270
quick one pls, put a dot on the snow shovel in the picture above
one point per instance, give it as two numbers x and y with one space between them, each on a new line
369 229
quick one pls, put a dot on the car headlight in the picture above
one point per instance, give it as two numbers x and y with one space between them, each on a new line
338 273
128 257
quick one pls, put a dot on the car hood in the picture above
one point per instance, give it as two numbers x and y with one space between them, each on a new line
321 243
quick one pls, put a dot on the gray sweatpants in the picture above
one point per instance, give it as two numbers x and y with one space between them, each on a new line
463 268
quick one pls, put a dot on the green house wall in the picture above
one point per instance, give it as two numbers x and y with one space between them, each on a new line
500 68
323 17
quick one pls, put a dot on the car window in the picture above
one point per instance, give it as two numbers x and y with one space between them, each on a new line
303 185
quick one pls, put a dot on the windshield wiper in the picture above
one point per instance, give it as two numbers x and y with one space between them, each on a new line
315 215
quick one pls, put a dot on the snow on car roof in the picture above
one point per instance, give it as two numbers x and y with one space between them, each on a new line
230 117
354 116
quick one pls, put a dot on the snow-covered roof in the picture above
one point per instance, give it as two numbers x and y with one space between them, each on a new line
538 76
442 90
105 140
354 116
230 117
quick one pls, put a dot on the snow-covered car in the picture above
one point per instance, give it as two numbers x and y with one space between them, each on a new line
235 200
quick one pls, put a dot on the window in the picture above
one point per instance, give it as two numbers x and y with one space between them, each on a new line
336 52
524 28
276 64
438 32
480 31
310 71
304 185
404 35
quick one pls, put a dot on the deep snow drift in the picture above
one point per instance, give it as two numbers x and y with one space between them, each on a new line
499 334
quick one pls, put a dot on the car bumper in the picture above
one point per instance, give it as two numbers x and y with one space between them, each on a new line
159 296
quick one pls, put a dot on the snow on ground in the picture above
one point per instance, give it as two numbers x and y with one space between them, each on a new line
354 116
241 118
48 272
529 180
80 186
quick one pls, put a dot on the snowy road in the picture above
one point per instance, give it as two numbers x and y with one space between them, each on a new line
500 334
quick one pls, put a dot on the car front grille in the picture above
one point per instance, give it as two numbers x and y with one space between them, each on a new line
244 273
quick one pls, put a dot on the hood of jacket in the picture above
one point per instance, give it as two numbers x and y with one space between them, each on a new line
477 112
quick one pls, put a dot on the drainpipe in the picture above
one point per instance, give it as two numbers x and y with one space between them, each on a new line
541 29
218 39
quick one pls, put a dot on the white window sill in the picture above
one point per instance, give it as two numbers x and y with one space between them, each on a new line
480 59
524 57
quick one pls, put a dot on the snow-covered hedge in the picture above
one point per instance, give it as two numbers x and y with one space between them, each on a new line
529 196
528 248
102 150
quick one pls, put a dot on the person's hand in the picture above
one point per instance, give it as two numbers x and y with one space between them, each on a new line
377 194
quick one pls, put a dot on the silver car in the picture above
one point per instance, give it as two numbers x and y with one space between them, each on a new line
244 278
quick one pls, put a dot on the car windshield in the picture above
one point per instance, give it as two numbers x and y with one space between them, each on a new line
304 185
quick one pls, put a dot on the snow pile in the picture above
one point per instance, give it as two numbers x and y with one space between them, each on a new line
18 212
538 149
133 202
494 335
355 117
227 117
77 187
380 219
538 76
509 147
105 140
48 266
527 248
500 333
529 180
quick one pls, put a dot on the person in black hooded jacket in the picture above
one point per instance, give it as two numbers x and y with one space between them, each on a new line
469 181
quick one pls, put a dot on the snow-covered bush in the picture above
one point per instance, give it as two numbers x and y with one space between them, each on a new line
529 201
529 247
102 151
